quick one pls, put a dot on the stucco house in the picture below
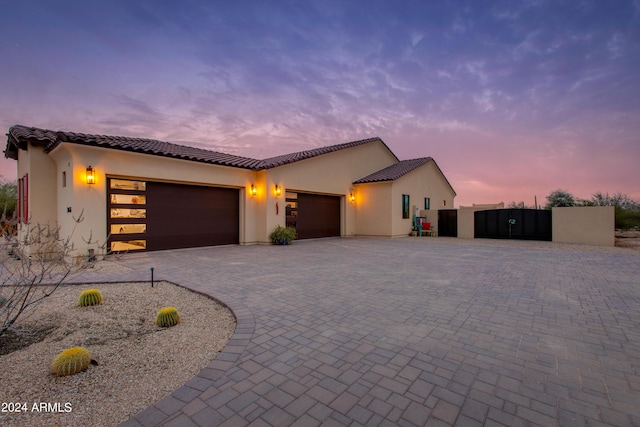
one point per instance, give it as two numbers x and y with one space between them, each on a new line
143 194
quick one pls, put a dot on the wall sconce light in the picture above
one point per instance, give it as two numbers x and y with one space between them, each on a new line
352 195
278 190
91 178
253 191
444 203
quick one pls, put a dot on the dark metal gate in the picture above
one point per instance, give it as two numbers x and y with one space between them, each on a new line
448 222
522 224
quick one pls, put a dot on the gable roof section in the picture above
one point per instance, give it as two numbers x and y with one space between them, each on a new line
393 172
397 170
19 136
273 162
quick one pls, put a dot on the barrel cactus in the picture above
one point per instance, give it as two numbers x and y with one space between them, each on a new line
167 316
71 361
90 297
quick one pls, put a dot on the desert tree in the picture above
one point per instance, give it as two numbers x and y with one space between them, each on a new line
627 209
619 200
559 199
33 264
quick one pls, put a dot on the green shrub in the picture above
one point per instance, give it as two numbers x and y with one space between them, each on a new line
90 297
167 317
282 235
627 218
71 361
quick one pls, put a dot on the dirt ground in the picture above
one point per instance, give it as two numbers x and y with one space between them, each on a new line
628 239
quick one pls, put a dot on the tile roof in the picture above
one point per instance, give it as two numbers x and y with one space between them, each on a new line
19 135
393 172
273 162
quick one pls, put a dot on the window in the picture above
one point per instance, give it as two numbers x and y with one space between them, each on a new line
426 202
22 207
64 179
405 206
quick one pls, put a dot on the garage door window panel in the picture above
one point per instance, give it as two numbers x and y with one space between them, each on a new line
127 222
128 228
128 199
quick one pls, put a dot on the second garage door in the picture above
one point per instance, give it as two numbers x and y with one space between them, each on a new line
318 216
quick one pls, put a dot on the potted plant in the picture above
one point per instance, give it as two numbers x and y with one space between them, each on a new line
282 235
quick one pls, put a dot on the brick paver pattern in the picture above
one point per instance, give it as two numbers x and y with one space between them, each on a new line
409 332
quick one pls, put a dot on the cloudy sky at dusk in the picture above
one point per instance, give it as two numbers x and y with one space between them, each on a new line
511 98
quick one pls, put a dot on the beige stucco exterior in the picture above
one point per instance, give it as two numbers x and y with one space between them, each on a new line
589 225
374 211
425 181
331 174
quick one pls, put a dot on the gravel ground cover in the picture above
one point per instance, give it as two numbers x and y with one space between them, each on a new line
138 363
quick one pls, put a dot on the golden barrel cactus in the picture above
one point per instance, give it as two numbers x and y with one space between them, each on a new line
90 297
71 361
167 316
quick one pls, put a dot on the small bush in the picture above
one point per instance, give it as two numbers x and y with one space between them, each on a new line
90 297
167 317
71 361
282 235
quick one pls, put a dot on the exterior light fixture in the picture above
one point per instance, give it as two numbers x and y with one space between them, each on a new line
253 190
352 195
91 178
278 190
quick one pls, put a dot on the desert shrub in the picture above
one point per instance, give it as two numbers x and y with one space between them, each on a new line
167 316
90 297
36 263
627 218
71 361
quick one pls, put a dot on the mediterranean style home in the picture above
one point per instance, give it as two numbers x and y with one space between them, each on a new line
143 194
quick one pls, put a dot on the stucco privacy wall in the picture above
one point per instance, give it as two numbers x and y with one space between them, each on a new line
466 222
332 174
92 199
424 181
589 225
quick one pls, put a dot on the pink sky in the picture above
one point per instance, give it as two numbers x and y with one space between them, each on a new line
512 101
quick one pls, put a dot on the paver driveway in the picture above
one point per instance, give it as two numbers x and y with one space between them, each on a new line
410 332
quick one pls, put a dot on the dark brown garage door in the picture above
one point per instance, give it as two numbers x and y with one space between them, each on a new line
171 216
318 216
